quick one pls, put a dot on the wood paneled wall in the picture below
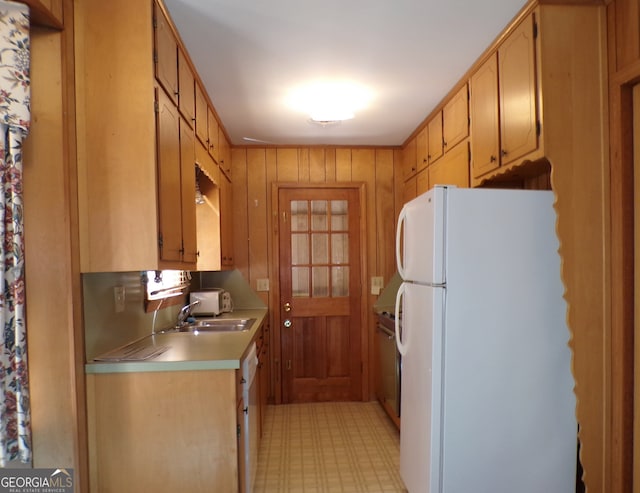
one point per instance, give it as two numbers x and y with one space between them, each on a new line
254 172
52 271
622 460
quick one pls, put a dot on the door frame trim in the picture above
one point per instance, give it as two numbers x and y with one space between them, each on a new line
277 366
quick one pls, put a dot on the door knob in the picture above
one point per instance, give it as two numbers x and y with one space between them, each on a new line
287 323
287 307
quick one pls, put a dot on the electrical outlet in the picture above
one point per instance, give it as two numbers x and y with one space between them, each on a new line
262 284
119 298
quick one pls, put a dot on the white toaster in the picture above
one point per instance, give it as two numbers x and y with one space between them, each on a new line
211 301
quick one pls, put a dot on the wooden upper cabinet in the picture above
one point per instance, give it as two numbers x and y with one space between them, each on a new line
434 129
224 153
176 186
165 54
452 169
188 192
409 160
485 126
517 83
226 223
410 189
212 134
422 149
169 180
455 119
186 87
136 166
202 132
422 181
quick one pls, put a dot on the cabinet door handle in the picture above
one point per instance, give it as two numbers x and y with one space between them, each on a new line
492 158
503 152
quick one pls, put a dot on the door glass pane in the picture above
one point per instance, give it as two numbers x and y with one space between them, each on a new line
339 248
299 249
319 215
320 281
339 281
320 248
339 210
299 215
300 281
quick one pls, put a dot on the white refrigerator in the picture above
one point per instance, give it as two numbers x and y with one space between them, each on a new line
487 392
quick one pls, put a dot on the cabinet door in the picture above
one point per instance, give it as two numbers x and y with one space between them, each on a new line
166 54
226 222
212 132
409 160
455 119
485 142
422 150
224 153
452 169
202 133
188 192
410 189
422 182
242 486
517 75
434 129
169 180
186 83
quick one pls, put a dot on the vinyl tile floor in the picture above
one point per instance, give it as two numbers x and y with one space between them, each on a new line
341 447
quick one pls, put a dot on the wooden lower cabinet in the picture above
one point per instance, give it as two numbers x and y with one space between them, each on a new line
242 449
164 431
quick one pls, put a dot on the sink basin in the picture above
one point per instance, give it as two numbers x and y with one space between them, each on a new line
218 325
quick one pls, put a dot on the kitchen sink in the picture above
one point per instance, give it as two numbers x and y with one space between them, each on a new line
218 325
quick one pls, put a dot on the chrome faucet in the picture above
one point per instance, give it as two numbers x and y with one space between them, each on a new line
185 311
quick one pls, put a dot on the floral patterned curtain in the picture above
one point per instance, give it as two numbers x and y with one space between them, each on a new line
15 420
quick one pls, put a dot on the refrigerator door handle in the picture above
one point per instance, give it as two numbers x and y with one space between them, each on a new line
401 219
402 347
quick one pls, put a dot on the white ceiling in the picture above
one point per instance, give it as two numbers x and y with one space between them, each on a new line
409 53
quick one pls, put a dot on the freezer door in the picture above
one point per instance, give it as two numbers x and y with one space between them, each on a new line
420 238
420 422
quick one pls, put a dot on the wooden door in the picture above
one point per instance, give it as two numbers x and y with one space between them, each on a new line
166 54
455 119
483 106
320 294
517 76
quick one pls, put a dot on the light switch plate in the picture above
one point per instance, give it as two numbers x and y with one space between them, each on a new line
262 284
376 285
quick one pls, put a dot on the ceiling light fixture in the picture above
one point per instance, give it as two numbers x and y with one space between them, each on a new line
329 102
